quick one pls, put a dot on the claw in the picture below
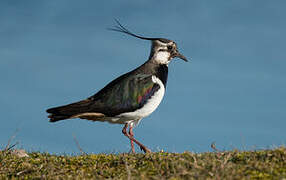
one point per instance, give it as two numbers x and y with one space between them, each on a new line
146 150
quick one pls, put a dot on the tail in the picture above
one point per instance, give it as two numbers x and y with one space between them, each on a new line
68 111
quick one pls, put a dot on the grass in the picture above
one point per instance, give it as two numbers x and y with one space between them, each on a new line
262 164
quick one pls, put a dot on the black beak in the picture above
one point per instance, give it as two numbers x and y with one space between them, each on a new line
179 55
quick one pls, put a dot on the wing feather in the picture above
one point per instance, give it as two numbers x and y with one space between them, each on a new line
127 95
124 94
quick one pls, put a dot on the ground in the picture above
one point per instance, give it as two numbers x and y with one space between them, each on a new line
260 164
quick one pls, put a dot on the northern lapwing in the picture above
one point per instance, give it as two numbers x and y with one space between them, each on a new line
130 97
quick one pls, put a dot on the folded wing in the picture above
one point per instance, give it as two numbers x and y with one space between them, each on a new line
124 94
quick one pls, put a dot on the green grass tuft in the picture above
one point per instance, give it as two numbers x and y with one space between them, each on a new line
262 164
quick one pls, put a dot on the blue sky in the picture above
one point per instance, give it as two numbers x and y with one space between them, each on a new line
232 92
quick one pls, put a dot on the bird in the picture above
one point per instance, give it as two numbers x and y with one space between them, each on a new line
130 97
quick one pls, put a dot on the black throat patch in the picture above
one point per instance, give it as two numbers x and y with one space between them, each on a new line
162 73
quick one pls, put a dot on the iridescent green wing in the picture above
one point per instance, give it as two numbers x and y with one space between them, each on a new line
125 95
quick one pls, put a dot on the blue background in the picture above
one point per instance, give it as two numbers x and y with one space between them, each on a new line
233 91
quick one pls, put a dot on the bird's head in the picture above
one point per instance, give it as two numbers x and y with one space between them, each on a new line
162 50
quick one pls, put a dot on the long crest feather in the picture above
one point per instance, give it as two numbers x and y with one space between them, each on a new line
120 28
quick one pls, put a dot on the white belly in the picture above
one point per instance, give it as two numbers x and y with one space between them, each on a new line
146 110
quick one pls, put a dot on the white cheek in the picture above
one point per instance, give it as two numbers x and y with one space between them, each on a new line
162 57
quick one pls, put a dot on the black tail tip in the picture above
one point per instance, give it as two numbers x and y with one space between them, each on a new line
52 119
51 110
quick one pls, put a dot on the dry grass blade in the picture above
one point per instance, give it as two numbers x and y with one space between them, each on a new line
77 144
8 147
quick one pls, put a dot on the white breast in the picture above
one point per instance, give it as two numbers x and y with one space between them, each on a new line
150 105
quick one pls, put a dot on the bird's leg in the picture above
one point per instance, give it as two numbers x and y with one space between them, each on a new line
142 147
131 135
124 131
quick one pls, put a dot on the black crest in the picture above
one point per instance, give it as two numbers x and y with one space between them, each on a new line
120 28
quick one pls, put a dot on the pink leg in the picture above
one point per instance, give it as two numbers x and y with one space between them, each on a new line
131 141
142 147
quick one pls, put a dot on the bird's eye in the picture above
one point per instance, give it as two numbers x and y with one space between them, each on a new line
169 47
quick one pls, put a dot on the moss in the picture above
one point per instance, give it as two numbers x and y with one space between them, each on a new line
264 164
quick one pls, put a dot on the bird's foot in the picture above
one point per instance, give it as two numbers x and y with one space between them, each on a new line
145 149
